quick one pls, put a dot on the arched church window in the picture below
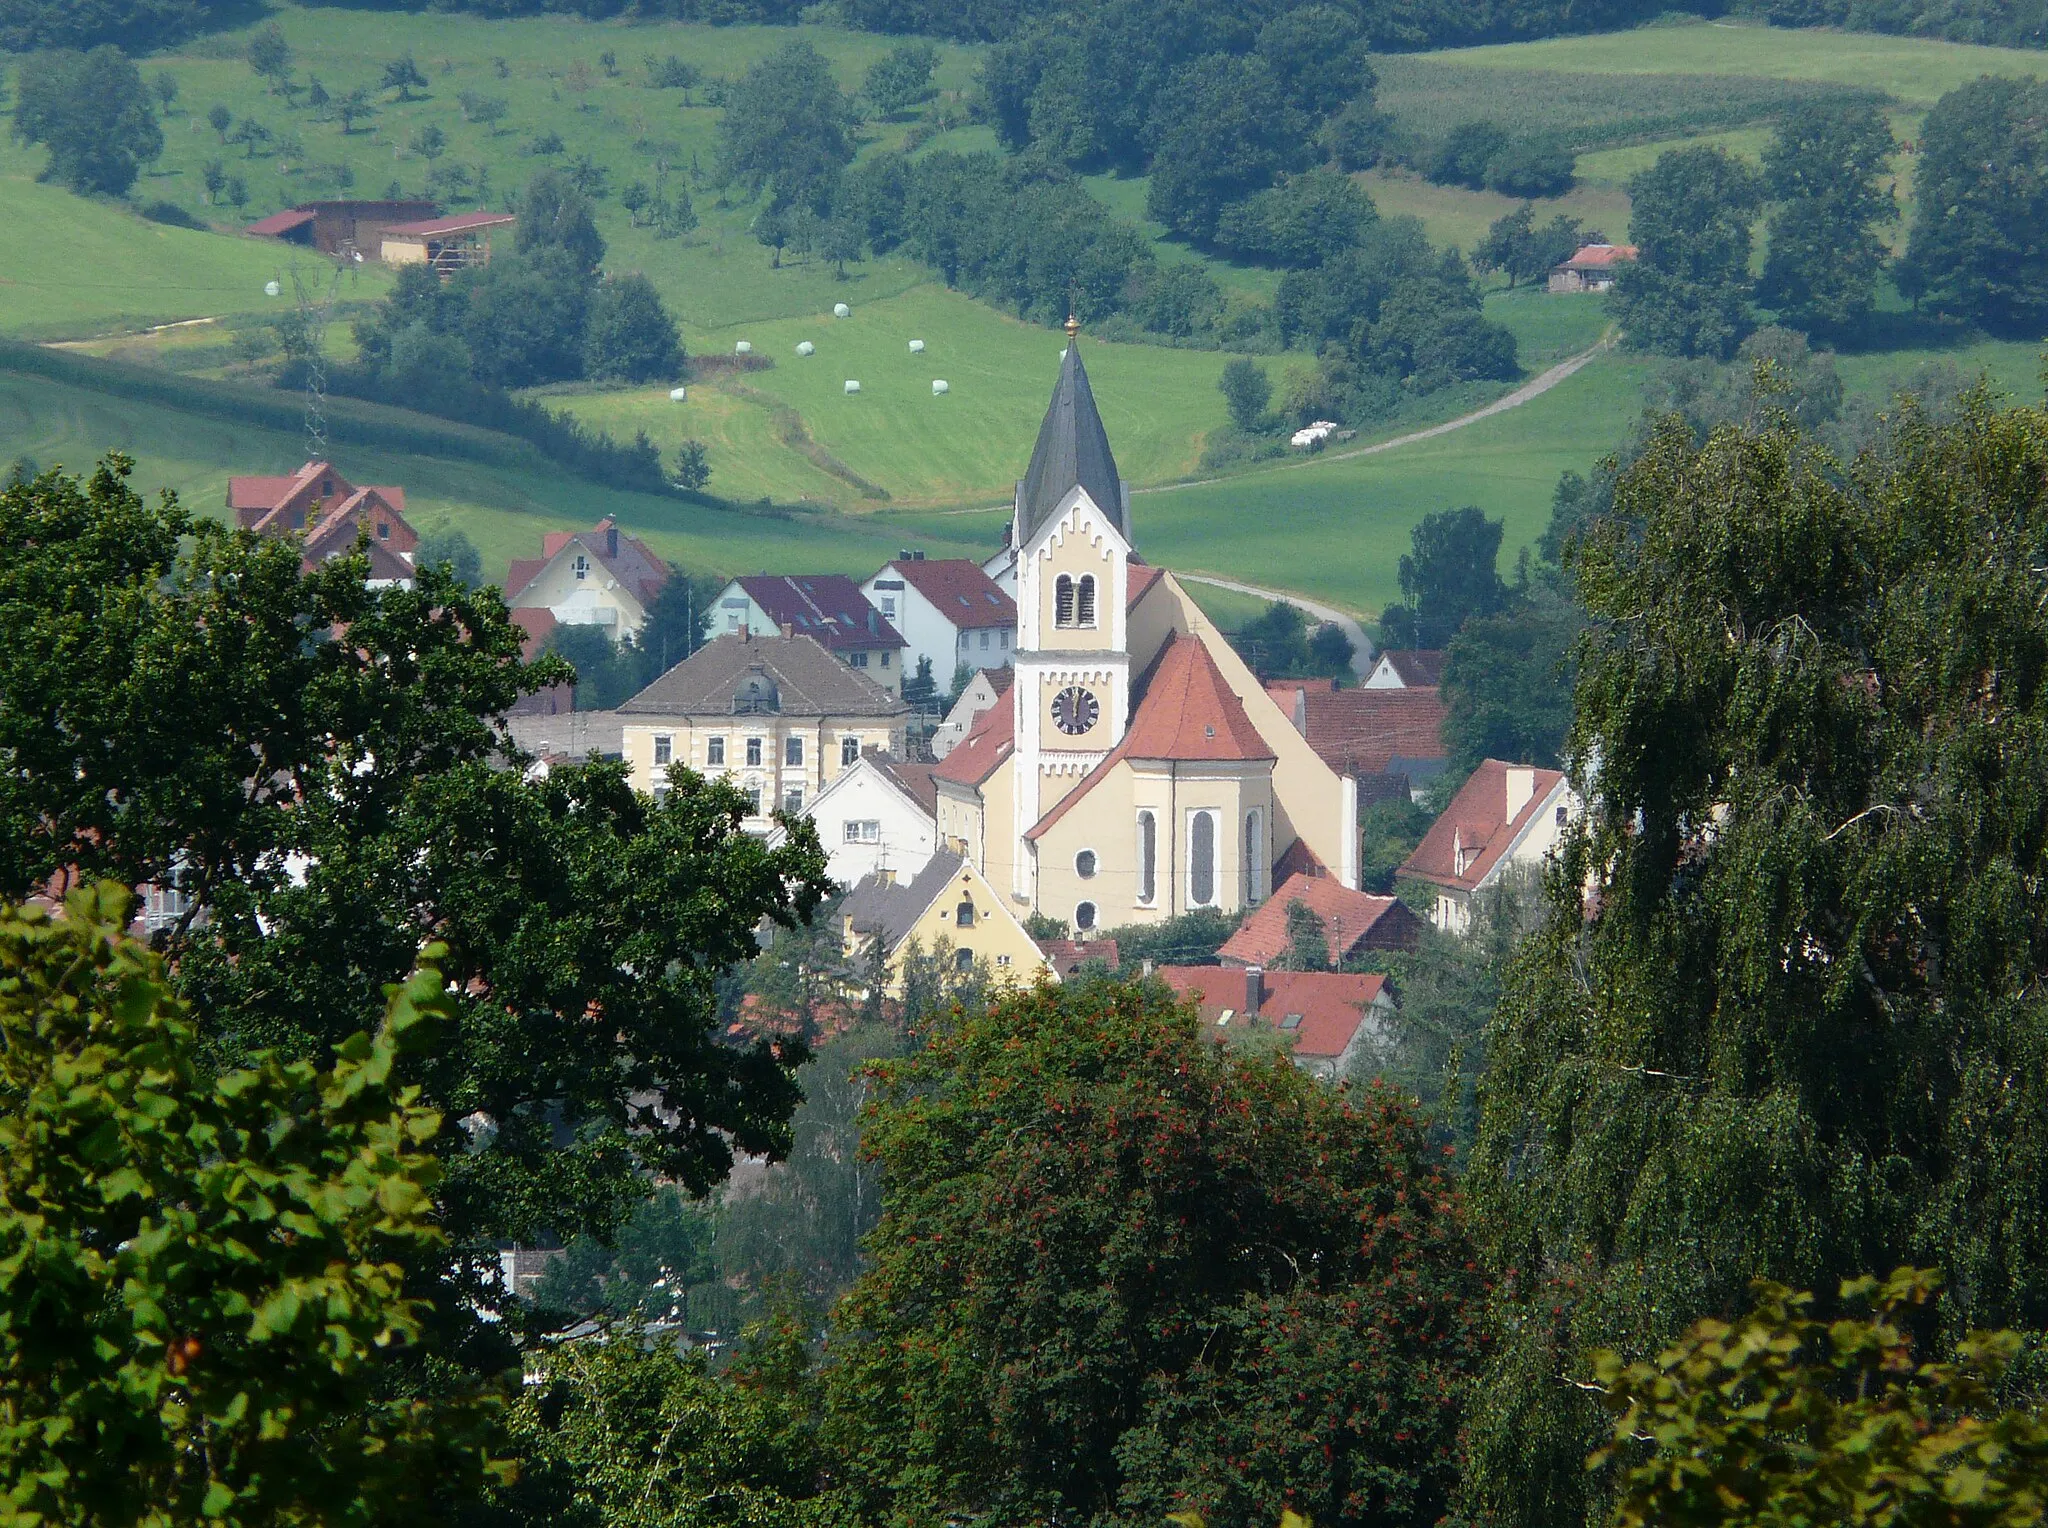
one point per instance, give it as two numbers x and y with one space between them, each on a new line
1148 858
1084 915
1254 854
963 915
1085 601
1063 600
1201 859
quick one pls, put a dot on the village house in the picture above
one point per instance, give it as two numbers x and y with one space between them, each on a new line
601 577
949 909
1390 741
776 714
1407 669
1353 923
1331 1020
878 814
948 610
1506 820
1138 770
1592 268
332 514
827 607
980 694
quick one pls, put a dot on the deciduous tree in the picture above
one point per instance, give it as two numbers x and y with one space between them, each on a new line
1980 197
786 125
1687 292
1824 174
93 114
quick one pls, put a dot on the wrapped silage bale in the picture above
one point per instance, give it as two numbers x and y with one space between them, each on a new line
917 347
678 394
841 310
805 347
852 386
940 387
744 347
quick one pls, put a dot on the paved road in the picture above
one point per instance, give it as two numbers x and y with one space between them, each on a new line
1362 653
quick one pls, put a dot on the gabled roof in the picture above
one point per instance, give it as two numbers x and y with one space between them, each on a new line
913 778
1186 712
1072 451
1364 731
1416 667
1351 920
626 558
255 499
1477 826
462 222
826 606
538 622
987 744
279 223
892 909
1139 578
802 678
1067 956
958 590
335 532
1599 257
1319 1011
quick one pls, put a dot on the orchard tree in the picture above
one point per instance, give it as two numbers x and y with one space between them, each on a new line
1691 216
787 125
271 56
900 78
1785 1018
92 112
403 75
1980 197
1124 1270
1824 175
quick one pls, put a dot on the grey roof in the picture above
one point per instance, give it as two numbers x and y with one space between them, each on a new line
795 675
1072 449
890 909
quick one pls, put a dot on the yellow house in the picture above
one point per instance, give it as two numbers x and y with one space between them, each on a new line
779 716
948 905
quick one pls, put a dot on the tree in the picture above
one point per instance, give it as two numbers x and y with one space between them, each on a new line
1823 172
352 108
1246 391
1687 292
1532 167
219 118
1781 1021
373 763
271 56
1507 682
629 336
165 85
238 192
1318 58
920 688
1449 576
1303 221
1979 197
1308 940
454 549
635 199
1122 1268
317 97
555 217
900 78
1220 134
693 466
201 1271
1780 1417
93 114
1466 152
671 73
786 125
403 76
213 175
1507 245
428 141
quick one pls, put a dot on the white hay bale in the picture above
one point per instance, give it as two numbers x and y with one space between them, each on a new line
841 310
805 347
917 347
273 289
678 394
852 386
744 347
940 387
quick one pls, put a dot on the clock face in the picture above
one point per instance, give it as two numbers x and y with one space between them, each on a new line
1074 710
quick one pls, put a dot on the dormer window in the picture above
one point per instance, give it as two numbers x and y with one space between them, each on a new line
582 566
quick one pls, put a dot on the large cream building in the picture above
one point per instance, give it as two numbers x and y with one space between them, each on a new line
1136 770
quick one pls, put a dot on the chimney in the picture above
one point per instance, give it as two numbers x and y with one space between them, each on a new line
1254 990
788 631
611 539
1521 786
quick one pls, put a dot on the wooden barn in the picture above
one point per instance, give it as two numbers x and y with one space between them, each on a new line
447 244
345 229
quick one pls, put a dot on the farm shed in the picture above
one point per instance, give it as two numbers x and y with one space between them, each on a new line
1592 269
342 228
446 244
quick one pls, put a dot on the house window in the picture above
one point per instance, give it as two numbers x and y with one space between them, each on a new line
963 915
888 608
1560 816
868 831
1002 960
383 530
664 747
1085 614
1063 601
714 750
582 566
886 657
1084 915
754 752
963 641
754 799
984 641
1084 864
857 660
1254 854
1148 858
792 750
793 800
963 960
1201 859
849 750
1006 640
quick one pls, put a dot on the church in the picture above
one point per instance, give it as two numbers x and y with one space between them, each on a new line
1136 769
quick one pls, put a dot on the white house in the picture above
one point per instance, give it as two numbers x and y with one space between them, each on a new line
600 577
1409 669
878 815
948 610
981 693
1505 818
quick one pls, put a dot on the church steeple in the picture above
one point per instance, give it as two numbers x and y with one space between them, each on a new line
1072 450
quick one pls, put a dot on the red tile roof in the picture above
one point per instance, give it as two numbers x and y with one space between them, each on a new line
958 590
1320 1011
537 622
987 744
1299 859
1352 921
827 607
461 222
632 561
1600 256
1476 827
281 222
1186 711
1365 731
914 777
1139 580
1066 956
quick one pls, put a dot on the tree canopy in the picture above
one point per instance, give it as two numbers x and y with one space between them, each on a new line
1980 196
1823 172
93 114
1691 215
787 126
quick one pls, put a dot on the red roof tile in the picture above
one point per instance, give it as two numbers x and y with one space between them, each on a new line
1600 256
537 622
1319 1011
461 222
631 561
1139 580
913 776
1365 731
1352 921
1476 826
958 590
987 744
1066 956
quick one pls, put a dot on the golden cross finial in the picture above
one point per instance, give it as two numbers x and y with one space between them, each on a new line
1073 327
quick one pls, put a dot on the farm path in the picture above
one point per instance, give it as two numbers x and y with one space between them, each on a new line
1362 651
1535 387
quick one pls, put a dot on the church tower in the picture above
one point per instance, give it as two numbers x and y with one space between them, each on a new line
1072 535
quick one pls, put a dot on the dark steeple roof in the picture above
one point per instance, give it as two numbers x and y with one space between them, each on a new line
1072 449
